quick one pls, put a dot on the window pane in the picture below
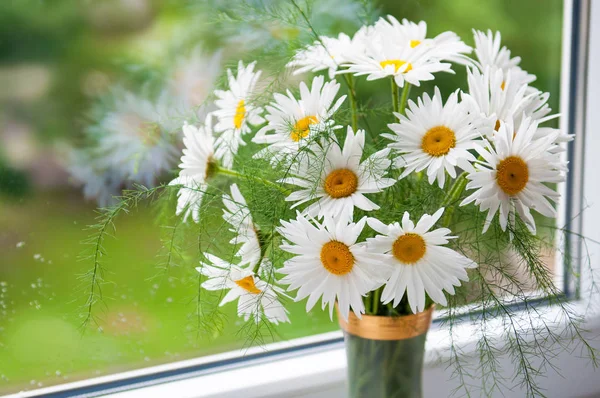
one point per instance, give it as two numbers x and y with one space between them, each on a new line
59 62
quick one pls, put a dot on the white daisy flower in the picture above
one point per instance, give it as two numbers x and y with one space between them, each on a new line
392 51
328 53
257 299
419 263
434 136
329 263
235 108
227 145
189 197
192 81
237 214
337 178
197 165
236 112
135 139
497 97
295 121
490 54
513 174
445 46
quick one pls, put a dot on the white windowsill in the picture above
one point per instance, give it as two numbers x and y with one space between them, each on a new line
321 371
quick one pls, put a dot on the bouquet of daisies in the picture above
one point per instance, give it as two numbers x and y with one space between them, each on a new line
347 238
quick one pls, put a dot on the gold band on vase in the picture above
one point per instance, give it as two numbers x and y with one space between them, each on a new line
374 327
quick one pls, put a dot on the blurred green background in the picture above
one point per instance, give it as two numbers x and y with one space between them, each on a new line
56 59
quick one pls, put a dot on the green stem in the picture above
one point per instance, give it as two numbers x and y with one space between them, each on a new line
368 302
395 101
257 266
453 195
239 175
457 188
353 105
376 300
404 98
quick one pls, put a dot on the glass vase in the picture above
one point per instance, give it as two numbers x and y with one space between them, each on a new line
385 354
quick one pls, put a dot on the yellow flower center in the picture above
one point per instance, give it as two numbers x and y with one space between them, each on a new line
150 133
438 141
414 43
409 248
337 258
398 63
512 175
302 128
341 183
248 285
497 126
503 85
240 113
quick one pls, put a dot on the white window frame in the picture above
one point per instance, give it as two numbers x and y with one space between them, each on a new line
315 366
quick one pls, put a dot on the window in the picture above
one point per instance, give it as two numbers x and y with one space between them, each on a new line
66 58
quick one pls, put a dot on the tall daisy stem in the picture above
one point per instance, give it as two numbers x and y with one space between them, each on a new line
353 104
376 300
453 195
242 176
404 98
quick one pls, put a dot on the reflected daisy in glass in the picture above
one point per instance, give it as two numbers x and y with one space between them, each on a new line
237 214
294 121
198 165
135 139
328 263
511 178
434 136
236 112
192 80
102 185
338 179
418 261
257 299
